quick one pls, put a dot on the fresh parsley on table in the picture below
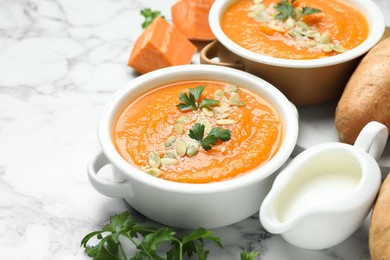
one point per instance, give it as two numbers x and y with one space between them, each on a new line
148 241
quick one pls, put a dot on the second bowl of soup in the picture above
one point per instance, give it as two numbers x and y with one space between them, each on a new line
306 48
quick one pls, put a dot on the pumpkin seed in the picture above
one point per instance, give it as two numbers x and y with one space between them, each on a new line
257 7
294 33
192 149
178 129
208 111
181 147
290 23
235 100
225 122
154 160
230 89
259 18
169 155
303 25
327 48
276 28
223 115
312 34
170 141
338 48
207 125
218 94
325 38
169 161
223 108
257 1
153 171
311 44
182 119
317 36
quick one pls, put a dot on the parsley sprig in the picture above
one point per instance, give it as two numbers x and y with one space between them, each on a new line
148 241
286 9
149 16
245 255
215 134
190 101
110 246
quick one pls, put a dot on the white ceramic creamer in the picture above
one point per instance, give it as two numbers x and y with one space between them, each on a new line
325 193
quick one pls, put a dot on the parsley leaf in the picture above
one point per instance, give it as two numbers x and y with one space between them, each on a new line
215 134
209 141
109 246
188 102
197 92
307 10
208 102
224 135
245 255
149 245
286 9
149 16
191 100
190 246
197 132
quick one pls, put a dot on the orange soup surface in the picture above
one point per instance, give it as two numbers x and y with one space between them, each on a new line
152 133
334 27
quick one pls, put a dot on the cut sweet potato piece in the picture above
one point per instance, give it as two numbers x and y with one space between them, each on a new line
379 232
191 18
160 45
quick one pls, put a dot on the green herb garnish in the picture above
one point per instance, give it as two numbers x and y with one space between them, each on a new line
245 255
190 101
286 9
197 133
110 246
308 10
149 16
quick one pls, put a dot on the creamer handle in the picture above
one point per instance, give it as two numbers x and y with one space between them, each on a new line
372 139
114 189
211 51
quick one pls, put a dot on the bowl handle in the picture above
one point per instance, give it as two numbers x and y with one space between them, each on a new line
212 50
114 189
372 139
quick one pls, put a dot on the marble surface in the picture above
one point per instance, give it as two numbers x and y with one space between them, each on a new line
60 61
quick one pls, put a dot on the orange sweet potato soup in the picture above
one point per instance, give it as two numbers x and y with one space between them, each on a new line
198 131
295 29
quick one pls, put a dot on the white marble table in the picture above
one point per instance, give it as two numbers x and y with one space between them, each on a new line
60 61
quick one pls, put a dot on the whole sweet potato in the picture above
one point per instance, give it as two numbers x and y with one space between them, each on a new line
366 96
379 233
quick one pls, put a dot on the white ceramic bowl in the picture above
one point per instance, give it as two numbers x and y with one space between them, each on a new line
304 82
190 205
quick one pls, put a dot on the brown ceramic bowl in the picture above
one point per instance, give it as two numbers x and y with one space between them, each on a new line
303 82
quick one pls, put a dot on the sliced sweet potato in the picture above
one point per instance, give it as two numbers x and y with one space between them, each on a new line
160 45
191 18
379 232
